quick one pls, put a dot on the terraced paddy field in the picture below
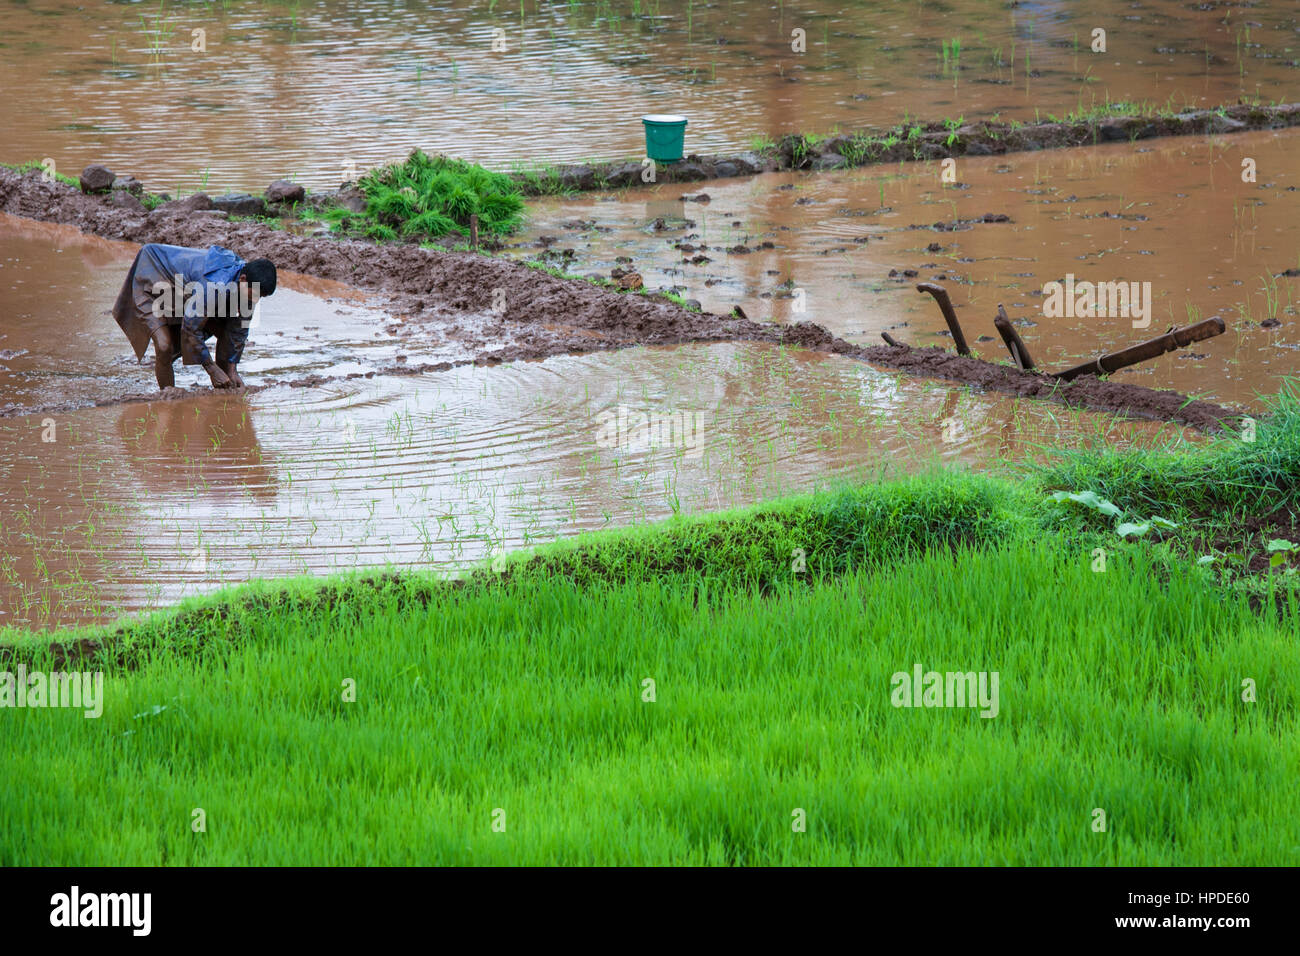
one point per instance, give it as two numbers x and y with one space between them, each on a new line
573 512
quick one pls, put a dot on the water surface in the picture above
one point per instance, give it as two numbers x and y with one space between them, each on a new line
1174 213
310 89
136 506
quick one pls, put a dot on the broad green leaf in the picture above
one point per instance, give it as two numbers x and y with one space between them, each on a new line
1162 523
1090 499
1138 528
1280 544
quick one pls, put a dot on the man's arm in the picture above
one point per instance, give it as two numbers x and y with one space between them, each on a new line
230 349
192 333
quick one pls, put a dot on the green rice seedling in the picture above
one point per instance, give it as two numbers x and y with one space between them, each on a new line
432 197
855 150
1227 477
1272 300
457 716
36 166
952 126
429 224
159 32
538 180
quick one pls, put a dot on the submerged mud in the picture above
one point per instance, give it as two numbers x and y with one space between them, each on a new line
501 310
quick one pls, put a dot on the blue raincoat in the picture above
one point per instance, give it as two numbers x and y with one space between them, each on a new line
139 310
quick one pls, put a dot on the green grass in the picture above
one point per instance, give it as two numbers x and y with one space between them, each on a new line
539 179
837 531
430 197
528 698
35 165
604 282
1225 480
150 200
771 635
866 147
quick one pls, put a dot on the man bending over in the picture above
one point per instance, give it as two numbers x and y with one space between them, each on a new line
178 298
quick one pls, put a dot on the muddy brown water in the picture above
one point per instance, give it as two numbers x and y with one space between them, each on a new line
135 506
116 509
108 510
821 246
309 89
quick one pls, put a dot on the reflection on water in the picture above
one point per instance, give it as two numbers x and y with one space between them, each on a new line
134 506
1173 212
172 448
57 338
309 88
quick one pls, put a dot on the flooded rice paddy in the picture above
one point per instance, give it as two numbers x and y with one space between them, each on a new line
114 509
263 89
137 505
822 246
60 346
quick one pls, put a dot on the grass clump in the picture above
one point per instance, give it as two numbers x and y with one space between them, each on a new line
431 197
825 536
539 179
36 166
1252 471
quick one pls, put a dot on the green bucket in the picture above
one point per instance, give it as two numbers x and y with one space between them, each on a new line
665 137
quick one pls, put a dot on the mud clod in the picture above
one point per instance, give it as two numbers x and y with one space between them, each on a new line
97 179
285 191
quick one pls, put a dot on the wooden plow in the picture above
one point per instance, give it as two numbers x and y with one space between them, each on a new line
1171 340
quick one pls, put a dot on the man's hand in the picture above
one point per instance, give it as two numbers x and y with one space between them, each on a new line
233 374
219 378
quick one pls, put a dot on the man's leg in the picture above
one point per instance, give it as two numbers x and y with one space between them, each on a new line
164 355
